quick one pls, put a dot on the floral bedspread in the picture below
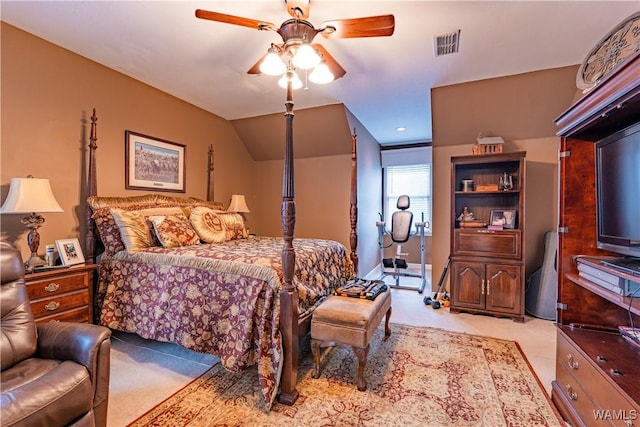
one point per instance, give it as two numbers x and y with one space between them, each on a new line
221 299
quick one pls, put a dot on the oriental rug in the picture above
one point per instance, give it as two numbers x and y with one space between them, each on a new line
417 377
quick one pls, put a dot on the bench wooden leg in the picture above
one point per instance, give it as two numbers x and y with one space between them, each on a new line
387 330
361 354
315 349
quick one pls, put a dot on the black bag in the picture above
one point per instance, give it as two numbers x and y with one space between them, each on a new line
361 288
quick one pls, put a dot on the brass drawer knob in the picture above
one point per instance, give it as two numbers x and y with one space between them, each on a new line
52 287
52 306
572 394
572 363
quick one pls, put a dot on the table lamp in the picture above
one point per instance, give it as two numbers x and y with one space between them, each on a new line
31 196
238 204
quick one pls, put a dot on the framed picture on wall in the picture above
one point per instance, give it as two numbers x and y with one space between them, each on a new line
153 163
70 251
506 218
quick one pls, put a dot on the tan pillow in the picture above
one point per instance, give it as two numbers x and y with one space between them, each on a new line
208 225
234 224
134 229
174 230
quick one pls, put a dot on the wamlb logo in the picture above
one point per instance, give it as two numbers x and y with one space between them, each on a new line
613 415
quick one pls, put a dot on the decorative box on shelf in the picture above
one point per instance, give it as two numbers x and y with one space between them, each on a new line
487 145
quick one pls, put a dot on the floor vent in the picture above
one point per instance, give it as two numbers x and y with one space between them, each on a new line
444 44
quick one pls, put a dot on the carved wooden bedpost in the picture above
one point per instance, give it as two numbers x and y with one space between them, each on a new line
353 211
210 174
289 294
92 190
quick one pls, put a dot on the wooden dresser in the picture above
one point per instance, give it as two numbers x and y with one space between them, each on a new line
597 371
64 294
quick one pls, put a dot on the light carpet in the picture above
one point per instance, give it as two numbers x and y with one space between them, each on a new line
417 377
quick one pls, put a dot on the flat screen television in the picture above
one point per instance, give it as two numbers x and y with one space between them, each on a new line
618 196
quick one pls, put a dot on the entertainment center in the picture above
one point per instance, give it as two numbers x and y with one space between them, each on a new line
597 369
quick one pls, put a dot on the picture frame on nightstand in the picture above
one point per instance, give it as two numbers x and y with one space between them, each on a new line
70 251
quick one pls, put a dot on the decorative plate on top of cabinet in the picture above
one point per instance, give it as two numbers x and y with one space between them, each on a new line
619 43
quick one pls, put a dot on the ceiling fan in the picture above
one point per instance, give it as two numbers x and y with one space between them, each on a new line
297 49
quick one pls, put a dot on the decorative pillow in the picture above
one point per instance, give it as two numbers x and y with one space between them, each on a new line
213 205
174 230
208 225
233 224
108 229
135 231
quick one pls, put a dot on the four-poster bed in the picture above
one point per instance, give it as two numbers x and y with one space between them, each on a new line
242 299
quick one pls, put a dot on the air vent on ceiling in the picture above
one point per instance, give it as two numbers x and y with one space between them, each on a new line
444 44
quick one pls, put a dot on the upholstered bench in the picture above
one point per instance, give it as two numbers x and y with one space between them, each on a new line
349 321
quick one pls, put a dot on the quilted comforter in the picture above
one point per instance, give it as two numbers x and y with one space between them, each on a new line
221 299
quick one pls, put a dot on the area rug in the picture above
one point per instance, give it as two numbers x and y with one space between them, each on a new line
417 377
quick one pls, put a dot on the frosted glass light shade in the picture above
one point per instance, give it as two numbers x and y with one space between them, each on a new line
306 57
272 64
321 74
238 204
27 195
295 81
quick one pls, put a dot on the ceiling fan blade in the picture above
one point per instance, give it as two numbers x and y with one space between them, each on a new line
298 8
235 20
255 69
335 68
372 26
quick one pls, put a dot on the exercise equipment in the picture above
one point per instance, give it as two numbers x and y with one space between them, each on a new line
440 297
400 233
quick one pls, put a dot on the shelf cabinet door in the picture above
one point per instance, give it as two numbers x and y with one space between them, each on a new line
503 283
467 288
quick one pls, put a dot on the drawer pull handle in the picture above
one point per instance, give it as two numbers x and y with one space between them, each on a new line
601 358
572 394
572 363
52 287
52 306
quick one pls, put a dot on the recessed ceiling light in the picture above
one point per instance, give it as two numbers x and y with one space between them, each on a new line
401 129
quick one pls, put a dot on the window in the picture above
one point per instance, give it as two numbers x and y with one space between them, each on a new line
414 181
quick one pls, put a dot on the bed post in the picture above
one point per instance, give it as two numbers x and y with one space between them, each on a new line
92 190
289 294
210 174
353 211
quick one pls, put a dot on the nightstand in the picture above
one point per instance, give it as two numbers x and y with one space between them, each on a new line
64 294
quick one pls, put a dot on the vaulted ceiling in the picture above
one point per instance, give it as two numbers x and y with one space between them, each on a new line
388 79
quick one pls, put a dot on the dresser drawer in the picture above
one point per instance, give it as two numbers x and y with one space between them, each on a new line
48 287
483 242
610 404
80 315
59 303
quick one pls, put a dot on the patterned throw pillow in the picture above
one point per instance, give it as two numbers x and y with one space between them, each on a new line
174 230
208 225
234 224
134 229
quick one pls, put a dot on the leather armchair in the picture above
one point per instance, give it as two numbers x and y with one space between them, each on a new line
52 374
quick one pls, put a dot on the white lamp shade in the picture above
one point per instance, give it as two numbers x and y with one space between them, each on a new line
306 57
272 64
321 74
238 204
296 83
27 195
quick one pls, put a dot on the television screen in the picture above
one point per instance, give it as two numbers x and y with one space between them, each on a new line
618 191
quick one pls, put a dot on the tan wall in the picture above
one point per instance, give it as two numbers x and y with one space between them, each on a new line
321 195
47 97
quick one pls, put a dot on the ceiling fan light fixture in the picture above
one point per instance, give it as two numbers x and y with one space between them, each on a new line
306 57
321 74
272 64
296 83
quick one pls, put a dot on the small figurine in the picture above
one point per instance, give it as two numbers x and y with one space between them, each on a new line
466 215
